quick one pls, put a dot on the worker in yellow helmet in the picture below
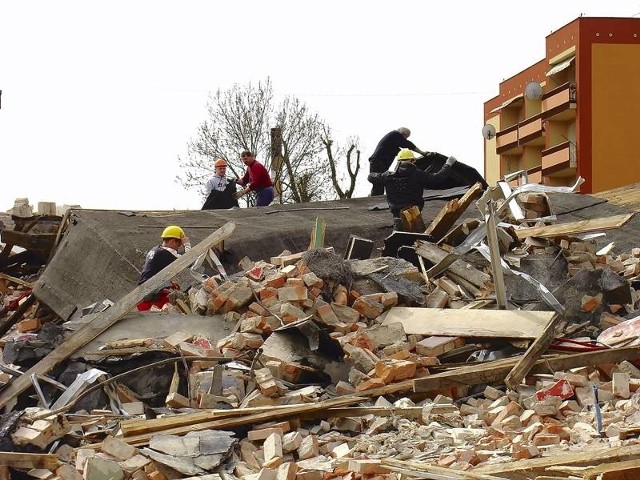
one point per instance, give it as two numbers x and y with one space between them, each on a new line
405 186
382 157
159 257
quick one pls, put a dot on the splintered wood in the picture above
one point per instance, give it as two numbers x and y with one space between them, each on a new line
332 368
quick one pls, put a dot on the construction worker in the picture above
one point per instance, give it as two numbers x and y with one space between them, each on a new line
220 190
405 186
385 152
256 179
160 256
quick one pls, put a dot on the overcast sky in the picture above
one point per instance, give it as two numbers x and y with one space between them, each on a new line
100 98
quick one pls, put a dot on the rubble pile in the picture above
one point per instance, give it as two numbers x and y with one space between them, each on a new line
433 365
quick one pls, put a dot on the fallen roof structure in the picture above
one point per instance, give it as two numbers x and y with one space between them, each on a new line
312 353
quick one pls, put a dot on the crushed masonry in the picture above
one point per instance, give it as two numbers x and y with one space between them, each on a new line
329 366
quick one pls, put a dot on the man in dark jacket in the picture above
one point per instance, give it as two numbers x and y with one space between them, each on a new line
386 150
220 190
405 186
159 257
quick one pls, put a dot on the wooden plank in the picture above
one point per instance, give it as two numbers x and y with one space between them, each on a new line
110 316
425 470
494 252
435 255
587 457
137 426
533 353
29 460
17 281
470 323
629 469
10 321
574 228
253 419
494 372
451 212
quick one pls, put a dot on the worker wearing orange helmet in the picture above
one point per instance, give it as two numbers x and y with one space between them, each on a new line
220 190
159 257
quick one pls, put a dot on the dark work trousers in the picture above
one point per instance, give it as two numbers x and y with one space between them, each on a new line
378 166
264 196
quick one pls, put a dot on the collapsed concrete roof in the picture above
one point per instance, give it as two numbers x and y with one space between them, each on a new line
102 251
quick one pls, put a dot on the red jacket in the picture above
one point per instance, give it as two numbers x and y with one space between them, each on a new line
257 176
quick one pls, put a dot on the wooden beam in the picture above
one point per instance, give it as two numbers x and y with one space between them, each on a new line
17 281
138 426
615 470
451 212
10 321
574 228
533 353
435 255
425 470
590 458
469 323
496 260
494 372
29 460
237 421
113 314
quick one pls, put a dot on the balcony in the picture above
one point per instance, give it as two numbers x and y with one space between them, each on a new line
531 131
559 160
534 175
507 141
560 103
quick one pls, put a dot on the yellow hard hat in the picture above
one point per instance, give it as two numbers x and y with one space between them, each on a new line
173 231
405 155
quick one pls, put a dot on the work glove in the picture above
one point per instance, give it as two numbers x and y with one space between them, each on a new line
240 193
451 160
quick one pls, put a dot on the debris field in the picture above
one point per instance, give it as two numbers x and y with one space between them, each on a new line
504 346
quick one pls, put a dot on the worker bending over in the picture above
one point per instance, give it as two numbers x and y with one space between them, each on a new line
405 186
159 257
385 152
256 179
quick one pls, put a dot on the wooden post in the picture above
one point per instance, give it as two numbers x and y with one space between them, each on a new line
276 158
494 250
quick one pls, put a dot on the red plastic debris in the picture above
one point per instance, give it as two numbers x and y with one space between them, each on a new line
561 388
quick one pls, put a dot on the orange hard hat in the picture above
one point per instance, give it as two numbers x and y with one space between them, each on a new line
220 163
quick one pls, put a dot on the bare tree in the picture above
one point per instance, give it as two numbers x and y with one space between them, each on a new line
352 156
240 119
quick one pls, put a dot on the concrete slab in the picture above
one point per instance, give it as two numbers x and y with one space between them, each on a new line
156 325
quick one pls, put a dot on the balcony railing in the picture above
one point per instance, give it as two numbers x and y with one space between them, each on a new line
560 103
507 140
559 158
531 131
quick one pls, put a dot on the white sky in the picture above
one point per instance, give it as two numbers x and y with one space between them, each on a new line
100 98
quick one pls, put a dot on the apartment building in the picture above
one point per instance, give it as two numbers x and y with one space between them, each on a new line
574 113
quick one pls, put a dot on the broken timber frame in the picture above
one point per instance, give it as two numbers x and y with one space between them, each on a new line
529 358
113 314
573 228
450 213
494 372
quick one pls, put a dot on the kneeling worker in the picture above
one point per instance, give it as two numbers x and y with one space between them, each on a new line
160 256
405 186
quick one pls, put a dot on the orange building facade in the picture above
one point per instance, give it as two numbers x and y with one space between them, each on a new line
583 119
